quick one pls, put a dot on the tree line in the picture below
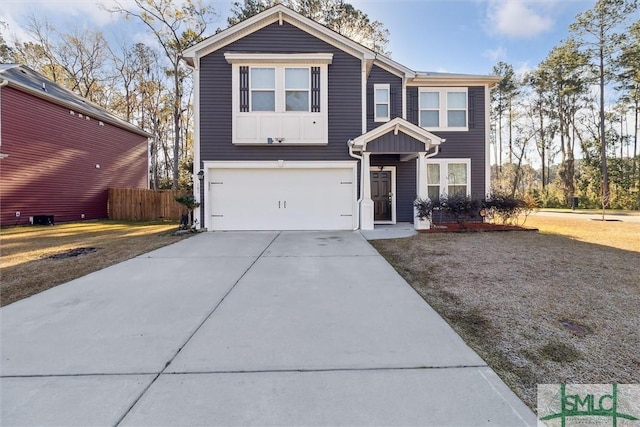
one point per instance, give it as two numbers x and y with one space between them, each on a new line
576 115
148 84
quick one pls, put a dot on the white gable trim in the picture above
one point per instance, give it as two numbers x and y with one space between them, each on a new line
398 125
280 13
279 58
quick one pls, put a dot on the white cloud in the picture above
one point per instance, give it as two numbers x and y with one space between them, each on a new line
519 18
495 55
522 69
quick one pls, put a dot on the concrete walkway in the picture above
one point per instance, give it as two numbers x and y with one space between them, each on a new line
253 328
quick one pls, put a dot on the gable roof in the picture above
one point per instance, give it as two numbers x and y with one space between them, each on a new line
26 80
398 125
280 13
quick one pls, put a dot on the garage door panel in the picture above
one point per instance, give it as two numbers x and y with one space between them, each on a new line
282 199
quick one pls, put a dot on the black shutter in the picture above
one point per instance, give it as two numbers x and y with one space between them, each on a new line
244 89
394 104
471 110
315 89
412 105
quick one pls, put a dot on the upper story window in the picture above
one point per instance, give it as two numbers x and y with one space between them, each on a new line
263 89
381 101
297 88
279 98
443 109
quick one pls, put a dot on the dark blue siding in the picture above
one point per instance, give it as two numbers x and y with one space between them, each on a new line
344 86
462 145
391 143
380 76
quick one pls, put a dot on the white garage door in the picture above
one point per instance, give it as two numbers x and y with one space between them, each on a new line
281 199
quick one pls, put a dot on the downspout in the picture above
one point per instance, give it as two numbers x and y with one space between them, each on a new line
355 156
435 153
196 142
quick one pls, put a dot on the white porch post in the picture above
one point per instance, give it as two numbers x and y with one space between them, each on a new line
366 205
421 224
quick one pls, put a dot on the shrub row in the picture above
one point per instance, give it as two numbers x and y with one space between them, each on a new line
497 206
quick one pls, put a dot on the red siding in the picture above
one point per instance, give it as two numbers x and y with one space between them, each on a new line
51 168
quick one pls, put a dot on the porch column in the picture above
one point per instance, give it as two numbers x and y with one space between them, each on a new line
366 206
419 224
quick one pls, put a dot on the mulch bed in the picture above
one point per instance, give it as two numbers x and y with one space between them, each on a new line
454 227
73 253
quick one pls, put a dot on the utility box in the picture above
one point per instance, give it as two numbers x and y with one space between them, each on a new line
42 220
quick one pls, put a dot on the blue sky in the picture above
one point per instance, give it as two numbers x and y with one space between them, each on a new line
463 36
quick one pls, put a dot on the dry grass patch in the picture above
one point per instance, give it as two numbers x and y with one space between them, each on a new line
538 308
623 234
26 263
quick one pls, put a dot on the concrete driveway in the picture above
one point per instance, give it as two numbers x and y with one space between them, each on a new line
246 328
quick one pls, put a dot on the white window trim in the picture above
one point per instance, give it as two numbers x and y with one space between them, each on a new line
377 87
443 108
307 89
444 177
274 89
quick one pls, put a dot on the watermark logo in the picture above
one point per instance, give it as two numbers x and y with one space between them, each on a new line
573 405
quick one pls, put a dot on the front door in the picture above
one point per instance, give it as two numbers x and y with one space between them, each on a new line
381 195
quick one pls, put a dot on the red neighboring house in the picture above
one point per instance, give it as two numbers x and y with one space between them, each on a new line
60 153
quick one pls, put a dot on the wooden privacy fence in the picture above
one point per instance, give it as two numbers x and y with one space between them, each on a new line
139 204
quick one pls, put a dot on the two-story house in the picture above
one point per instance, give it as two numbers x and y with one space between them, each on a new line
300 128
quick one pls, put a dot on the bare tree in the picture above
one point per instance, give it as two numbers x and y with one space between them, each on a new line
176 28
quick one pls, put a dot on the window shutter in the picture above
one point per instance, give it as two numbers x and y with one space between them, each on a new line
315 89
244 89
393 103
471 110
412 106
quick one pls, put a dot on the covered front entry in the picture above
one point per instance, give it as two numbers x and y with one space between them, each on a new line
394 171
280 195
383 194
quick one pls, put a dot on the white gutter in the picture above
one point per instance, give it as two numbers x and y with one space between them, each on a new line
355 156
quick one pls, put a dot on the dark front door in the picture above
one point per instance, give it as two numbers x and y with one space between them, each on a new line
381 195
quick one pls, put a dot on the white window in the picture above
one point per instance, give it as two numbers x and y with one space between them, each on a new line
381 101
297 88
263 89
279 99
448 177
443 108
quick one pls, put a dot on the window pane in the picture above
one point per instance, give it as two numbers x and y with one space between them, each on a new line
382 110
456 119
433 173
457 173
297 100
456 100
296 78
429 100
382 95
429 119
263 100
433 192
263 78
457 190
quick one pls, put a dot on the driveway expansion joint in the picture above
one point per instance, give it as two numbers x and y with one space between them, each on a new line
320 370
135 402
